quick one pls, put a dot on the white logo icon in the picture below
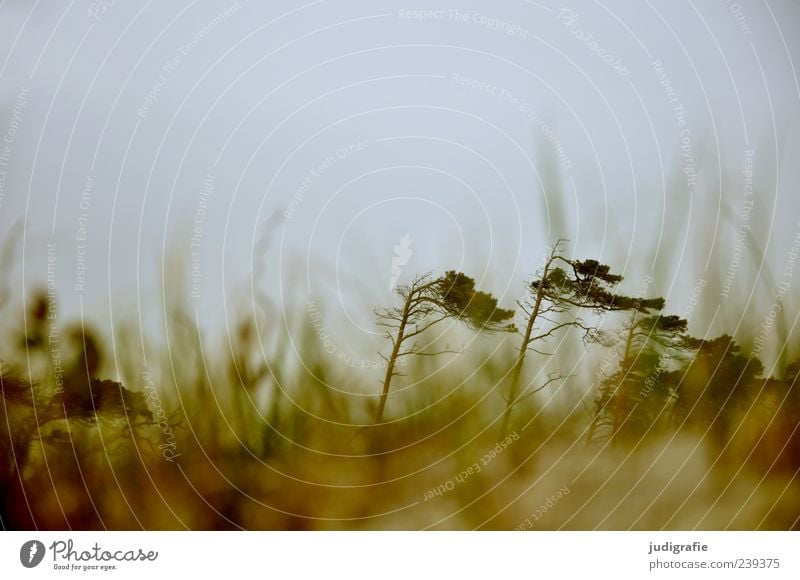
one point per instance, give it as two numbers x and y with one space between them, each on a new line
402 254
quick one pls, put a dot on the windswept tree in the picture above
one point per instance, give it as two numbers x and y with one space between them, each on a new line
427 301
633 400
716 388
777 435
563 286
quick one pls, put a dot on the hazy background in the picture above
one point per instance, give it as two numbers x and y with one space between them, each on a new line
329 130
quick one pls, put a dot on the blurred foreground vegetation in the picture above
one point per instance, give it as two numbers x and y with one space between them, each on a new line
670 431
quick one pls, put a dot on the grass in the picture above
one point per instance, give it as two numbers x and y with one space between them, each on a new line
261 428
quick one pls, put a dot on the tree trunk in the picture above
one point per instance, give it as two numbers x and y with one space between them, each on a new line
387 381
516 374
623 371
619 407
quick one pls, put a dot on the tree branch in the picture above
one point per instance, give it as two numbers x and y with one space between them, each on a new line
418 331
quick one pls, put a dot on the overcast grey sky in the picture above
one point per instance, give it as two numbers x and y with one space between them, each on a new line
481 130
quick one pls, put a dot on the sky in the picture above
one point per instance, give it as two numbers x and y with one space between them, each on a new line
320 153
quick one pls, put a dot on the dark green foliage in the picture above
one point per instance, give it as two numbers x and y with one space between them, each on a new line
791 394
590 285
100 399
716 387
663 334
634 403
16 391
791 377
457 295
59 412
660 324
594 269
778 445
631 403
35 335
